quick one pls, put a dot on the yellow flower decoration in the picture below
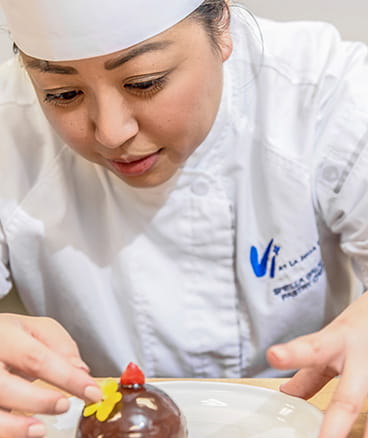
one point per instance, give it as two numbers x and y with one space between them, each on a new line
110 397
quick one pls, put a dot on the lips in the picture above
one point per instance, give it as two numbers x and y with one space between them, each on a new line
132 166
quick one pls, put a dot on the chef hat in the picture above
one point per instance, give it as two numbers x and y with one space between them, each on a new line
59 30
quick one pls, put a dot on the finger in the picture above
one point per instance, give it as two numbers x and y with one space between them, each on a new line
347 400
307 382
20 395
16 426
52 334
30 356
315 350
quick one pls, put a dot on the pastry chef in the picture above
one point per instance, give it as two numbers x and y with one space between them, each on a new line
182 186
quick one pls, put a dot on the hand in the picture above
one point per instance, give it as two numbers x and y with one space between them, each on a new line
341 348
33 348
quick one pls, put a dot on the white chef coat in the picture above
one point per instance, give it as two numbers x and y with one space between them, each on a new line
249 244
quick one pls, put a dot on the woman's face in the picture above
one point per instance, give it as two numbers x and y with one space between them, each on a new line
139 112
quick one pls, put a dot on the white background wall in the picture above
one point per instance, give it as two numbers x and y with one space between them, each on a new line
350 16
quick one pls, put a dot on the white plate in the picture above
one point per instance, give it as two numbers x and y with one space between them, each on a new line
218 410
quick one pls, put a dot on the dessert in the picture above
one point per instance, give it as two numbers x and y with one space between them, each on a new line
132 409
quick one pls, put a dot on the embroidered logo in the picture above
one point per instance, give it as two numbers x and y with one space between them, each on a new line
261 266
300 272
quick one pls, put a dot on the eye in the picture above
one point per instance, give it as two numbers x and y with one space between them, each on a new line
64 98
146 88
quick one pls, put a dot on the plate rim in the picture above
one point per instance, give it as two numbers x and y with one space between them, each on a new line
247 387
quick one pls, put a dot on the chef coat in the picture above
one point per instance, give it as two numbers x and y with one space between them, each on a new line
260 237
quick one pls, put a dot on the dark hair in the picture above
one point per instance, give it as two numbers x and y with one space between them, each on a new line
215 16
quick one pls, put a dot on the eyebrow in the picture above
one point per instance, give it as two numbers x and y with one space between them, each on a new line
149 47
49 67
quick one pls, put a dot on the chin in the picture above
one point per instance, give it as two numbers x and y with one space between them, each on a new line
145 181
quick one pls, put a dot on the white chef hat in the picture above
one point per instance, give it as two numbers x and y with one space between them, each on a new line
59 30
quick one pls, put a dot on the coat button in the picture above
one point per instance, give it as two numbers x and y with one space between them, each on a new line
200 187
330 173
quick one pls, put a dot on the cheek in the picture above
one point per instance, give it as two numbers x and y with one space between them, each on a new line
72 128
187 113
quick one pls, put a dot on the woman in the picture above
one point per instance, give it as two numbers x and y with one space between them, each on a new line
170 197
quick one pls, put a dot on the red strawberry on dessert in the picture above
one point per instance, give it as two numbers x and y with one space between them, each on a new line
132 375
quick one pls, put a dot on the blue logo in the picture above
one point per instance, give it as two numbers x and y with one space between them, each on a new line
261 266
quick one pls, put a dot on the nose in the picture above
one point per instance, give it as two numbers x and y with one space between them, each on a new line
114 122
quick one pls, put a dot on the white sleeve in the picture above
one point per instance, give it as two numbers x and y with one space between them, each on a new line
342 151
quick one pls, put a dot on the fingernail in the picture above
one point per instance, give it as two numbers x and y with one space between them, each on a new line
62 405
93 393
78 363
278 352
36 431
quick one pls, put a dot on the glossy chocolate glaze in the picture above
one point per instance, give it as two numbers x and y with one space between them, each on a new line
144 412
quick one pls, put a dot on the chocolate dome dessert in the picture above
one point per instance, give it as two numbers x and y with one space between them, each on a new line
132 409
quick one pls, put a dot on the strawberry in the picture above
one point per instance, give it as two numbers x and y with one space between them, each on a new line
132 375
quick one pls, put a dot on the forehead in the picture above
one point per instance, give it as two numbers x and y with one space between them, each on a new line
176 36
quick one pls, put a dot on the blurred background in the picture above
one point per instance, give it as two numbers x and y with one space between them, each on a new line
350 17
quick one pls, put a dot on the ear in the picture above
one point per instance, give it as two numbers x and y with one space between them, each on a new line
226 44
225 40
